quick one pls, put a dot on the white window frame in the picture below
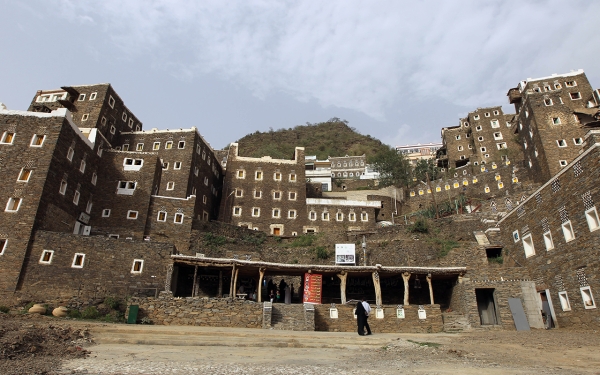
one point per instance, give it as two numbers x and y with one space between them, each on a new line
495 124
81 97
586 291
325 216
132 215
141 267
591 216
292 177
458 137
556 121
11 203
88 207
20 179
168 145
476 117
483 149
85 117
255 211
501 145
62 189
339 216
478 128
74 265
276 213
204 199
113 130
498 136
548 241
237 211
130 123
106 212
577 141
171 185
240 174
352 216
563 163
563 297
568 232
139 147
312 216
294 194
292 214
124 116
196 171
156 146
275 193
460 148
111 101
93 96
3 243
364 216
35 138
181 145
129 188
277 176
70 154
561 142
12 140
94 178
548 102
82 165
528 246
164 218
480 139
239 193
76 197
258 175
577 94
178 218
51 255
177 165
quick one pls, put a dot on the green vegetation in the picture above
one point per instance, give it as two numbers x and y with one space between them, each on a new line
444 246
213 240
330 138
424 168
303 241
420 226
321 252
426 343
497 260
394 168
112 302
90 312
4 309
255 239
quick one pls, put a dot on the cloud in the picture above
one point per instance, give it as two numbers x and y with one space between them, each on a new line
368 57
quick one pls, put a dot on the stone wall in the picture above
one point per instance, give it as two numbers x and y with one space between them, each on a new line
389 324
211 312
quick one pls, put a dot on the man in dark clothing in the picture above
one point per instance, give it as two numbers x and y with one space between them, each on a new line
367 308
360 318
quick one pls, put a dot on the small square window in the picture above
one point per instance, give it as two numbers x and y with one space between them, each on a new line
93 96
291 214
63 187
126 147
487 114
139 147
277 176
578 141
364 216
548 102
561 143
257 194
112 129
292 195
82 166
480 139
312 215
476 117
496 113
81 97
88 207
478 128
24 175
46 257
591 217
458 137
495 123
564 301
76 197
3 243
528 246
124 116
156 146
587 297
255 212
132 215
276 195
13 204
130 124
78 260
85 117
497 136
177 165
339 216
178 218
165 165
570 83
575 95
276 213
325 216
460 148
162 216
563 163
181 144
8 138
237 211
106 212
556 121
483 149
168 145
258 175
292 177
241 173
37 140
138 266
548 241
111 101
170 185
239 193
352 216
568 232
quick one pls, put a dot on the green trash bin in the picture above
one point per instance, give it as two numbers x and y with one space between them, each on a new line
133 313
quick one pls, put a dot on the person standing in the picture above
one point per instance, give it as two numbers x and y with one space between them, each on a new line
367 313
360 318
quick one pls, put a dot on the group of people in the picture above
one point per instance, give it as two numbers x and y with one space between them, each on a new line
283 293
363 310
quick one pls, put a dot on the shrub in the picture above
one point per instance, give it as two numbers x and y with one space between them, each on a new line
420 226
213 240
74 314
497 260
90 312
321 252
303 241
112 302
4 309
28 306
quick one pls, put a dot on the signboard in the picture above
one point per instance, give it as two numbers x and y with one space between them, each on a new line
313 284
345 253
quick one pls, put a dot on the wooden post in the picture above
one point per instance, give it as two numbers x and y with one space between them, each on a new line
231 286
430 288
405 277
235 283
343 275
377 286
194 284
220 289
261 272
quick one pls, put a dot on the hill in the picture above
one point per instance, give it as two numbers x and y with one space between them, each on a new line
330 138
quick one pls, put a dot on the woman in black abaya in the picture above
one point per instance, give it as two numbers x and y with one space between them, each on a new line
360 318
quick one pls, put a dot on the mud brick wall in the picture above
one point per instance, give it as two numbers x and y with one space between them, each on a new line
389 324
349 184
210 312
569 266
107 267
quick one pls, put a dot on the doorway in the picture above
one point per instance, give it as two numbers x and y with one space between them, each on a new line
486 306
547 310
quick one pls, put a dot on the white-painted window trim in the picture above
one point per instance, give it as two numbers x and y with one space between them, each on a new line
591 216
46 257
78 260
528 246
37 140
568 232
132 215
138 266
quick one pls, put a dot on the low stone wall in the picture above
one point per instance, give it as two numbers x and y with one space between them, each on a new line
211 312
389 324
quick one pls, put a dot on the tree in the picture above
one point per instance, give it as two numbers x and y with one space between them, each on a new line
426 166
394 168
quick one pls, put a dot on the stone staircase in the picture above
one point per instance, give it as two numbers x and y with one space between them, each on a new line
289 317
455 322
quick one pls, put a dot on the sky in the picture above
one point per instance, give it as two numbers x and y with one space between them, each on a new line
396 70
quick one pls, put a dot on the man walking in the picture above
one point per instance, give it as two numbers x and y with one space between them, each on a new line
367 313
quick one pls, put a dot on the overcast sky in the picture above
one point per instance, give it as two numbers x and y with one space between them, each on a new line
399 71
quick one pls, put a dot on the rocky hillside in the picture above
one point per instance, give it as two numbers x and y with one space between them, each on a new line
331 138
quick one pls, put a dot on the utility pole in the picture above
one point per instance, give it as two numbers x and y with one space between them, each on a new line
364 246
437 215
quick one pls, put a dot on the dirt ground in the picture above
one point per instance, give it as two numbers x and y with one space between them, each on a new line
44 345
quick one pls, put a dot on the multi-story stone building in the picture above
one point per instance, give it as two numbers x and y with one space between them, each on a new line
414 153
549 131
347 166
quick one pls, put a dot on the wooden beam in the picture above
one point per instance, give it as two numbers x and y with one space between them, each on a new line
430 288
405 277
261 273
377 286
194 284
343 275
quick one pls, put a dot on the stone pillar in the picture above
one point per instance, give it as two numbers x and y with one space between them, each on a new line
343 275
169 277
220 289
235 283
377 286
430 288
405 277
231 286
194 284
261 273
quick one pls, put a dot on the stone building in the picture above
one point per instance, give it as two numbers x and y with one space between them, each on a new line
348 166
554 234
414 153
549 131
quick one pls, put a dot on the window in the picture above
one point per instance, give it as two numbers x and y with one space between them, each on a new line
37 140
178 218
177 165
106 212
548 241
483 149
352 216
239 193
567 229
85 117
528 246
76 197
476 117
78 260
458 137
88 207
557 86
206 181
241 173
138 266
564 301
578 141
82 166
196 171
81 97
24 175
470 147
276 213
292 177
130 123
496 113
501 146
480 139
257 194
497 136
291 214
162 216
277 176
556 121
495 123
292 195
132 215
548 102
258 175
563 163
587 297
486 156
277 195
168 145
460 148
339 216
570 83
561 143
46 257
204 199
170 185
139 147
124 116
93 96
115 236
8 138
487 114
111 101
181 144
156 146
364 216
13 204
3 243
126 187
591 216
325 216
255 212
575 95
478 128
237 211
63 187
165 166
112 129
312 215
